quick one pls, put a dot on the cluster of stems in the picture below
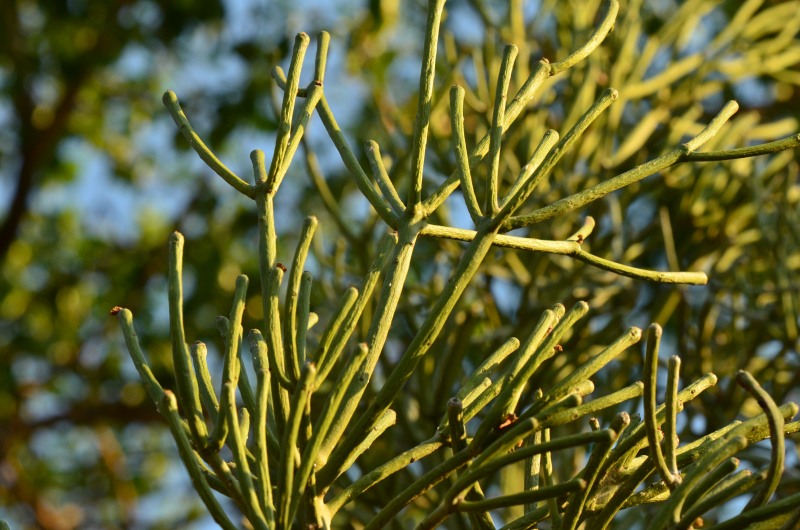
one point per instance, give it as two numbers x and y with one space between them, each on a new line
279 447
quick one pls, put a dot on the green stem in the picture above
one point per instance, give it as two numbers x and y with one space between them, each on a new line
591 474
602 520
287 108
381 205
628 447
422 121
417 488
715 453
743 152
188 392
681 154
598 361
231 366
323 357
562 147
287 493
569 415
671 422
151 384
543 71
237 446
207 395
174 107
488 367
650 421
290 308
742 482
549 140
321 59
568 248
537 348
258 349
763 513
325 193
429 330
776 424
170 405
384 471
326 418
382 177
478 471
460 149
496 131
303 315
610 8
394 279
513 110
314 96
706 483
480 519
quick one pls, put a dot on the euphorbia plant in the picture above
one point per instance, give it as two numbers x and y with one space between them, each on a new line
292 449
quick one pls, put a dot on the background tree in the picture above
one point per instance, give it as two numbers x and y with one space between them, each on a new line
96 186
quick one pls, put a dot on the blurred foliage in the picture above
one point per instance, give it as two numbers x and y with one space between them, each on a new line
79 83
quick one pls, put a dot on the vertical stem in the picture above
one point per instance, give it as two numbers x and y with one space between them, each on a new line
231 366
287 108
670 422
286 462
280 379
188 393
321 59
267 250
323 423
304 310
548 480
258 349
458 440
323 357
237 446
462 158
496 132
207 395
533 465
650 420
426 78
776 422
290 326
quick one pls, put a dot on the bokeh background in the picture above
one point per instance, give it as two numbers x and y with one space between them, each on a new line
94 177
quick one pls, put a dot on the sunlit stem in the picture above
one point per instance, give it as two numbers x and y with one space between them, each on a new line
237 446
188 392
174 107
382 177
231 366
651 423
286 495
776 424
419 141
170 405
287 108
496 132
291 301
670 421
460 148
